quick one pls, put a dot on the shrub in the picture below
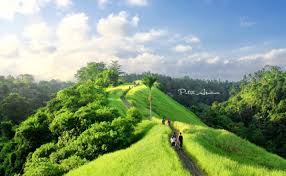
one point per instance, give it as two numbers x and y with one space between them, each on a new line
43 167
71 163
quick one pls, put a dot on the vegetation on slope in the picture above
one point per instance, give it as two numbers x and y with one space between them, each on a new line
163 105
76 126
257 112
217 152
21 96
221 153
152 155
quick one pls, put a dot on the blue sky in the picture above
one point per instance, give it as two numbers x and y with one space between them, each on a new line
205 39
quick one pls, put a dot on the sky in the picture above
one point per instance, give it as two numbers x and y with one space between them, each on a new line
205 39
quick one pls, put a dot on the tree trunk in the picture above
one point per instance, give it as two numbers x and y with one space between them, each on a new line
150 99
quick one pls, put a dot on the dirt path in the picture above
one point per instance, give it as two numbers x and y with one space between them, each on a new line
187 162
185 159
124 100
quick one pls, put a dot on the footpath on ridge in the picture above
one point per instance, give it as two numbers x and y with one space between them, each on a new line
184 158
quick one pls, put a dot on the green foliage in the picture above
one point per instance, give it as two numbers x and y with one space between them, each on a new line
258 111
44 151
21 96
42 167
14 107
99 73
90 71
6 129
164 106
134 115
71 163
149 80
170 86
221 153
152 155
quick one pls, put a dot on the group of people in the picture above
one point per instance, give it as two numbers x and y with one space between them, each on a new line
177 140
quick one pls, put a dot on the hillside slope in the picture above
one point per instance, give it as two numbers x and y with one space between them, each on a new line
152 155
216 152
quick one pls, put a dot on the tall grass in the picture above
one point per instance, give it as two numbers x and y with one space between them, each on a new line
114 94
163 105
152 155
216 152
221 153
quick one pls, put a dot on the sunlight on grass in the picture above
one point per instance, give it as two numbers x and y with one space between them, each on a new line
221 153
152 155
114 94
163 105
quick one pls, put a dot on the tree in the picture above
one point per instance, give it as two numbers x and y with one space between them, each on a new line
15 107
90 72
149 81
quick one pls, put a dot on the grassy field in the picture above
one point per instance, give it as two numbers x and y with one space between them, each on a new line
163 105
216 152
152 155
114 97
221 153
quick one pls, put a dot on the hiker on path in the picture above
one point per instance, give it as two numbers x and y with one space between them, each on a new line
180 138
163 121
169 122
174 139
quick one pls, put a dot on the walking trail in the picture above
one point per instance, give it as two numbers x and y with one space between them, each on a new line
184 158
187 162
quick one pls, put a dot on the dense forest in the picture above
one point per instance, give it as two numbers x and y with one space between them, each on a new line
76 126
21 96
257 112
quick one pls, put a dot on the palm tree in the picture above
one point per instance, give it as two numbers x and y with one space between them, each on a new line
149 81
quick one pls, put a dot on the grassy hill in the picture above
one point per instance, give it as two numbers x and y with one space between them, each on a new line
152 155
216 152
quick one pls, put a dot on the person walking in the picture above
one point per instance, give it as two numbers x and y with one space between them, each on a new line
169 122
163 121
180 140
174 139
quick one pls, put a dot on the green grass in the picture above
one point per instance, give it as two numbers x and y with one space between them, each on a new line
152 155
221 153
163 105
216 152
114 94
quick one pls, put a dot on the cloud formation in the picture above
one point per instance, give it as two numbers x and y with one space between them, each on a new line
59 51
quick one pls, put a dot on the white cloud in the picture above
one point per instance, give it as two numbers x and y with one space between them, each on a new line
137 2
182 48
149 36
37 31
101 3
63 3
38 37
72 31
144 62
9 8
191 39
117 25
9 46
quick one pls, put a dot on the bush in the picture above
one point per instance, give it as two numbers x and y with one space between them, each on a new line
44 151
42 167
72 163
134 115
